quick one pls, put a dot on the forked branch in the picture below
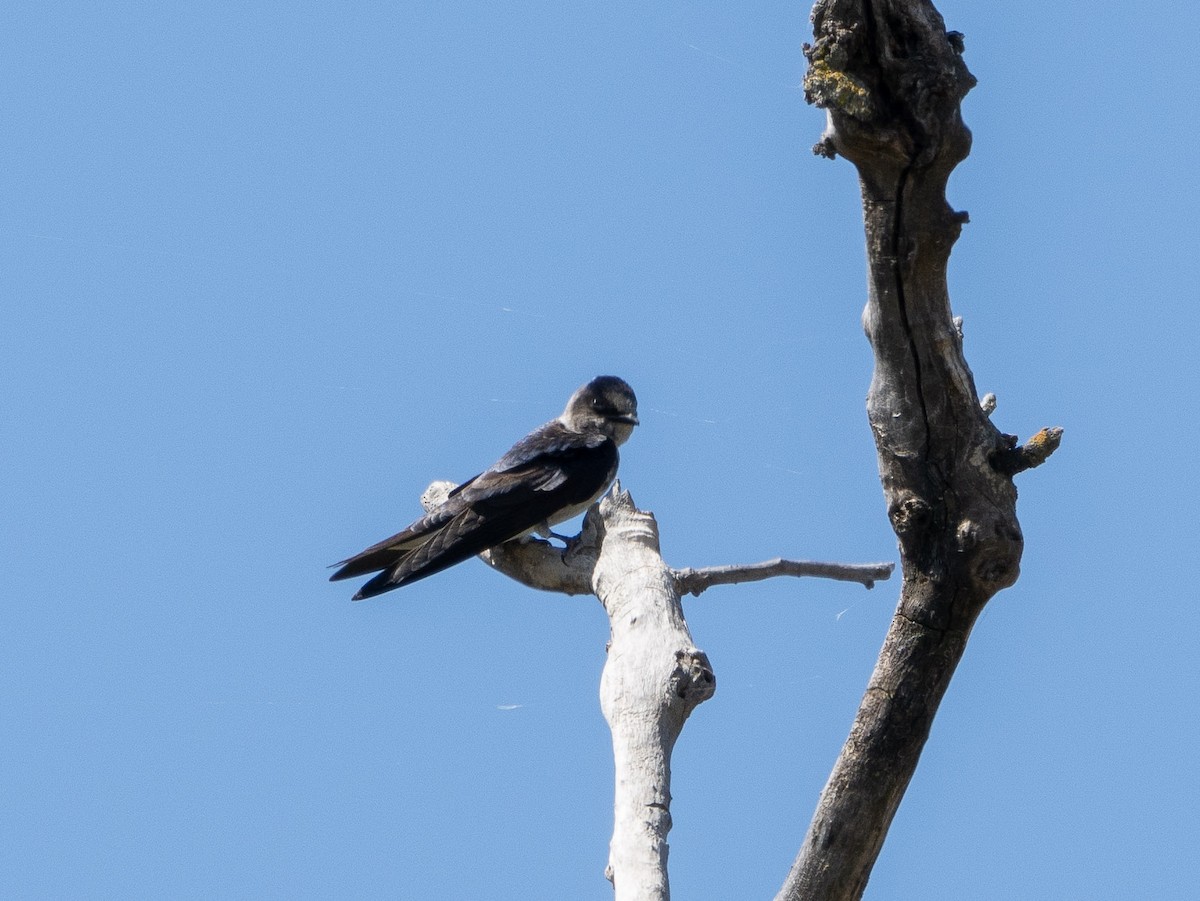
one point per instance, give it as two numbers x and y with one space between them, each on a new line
654 676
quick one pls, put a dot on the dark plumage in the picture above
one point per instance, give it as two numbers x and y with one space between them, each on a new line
552 474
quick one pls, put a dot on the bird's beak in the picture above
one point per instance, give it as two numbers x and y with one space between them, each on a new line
630 418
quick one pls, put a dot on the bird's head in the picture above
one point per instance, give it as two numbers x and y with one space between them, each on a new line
606 403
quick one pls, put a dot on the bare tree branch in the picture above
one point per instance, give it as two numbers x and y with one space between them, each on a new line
1033 452
546 567
694 581
891 80
654 676
534 562
653 679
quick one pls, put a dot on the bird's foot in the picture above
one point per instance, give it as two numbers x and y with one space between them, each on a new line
546 533
574 545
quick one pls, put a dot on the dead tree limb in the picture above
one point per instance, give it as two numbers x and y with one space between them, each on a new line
653 679
891 79
695 581
654 676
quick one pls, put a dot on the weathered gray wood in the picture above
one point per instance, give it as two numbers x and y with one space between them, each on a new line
654 675
653 679
891 79
697 581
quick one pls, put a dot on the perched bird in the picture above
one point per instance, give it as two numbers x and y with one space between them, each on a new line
555 472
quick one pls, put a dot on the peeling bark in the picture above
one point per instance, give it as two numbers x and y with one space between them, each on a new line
891 79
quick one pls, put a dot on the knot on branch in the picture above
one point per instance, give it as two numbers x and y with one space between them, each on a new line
692 680
910 516
992 552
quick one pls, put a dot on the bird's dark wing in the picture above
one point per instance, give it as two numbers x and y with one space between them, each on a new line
549 471
547 443
385 553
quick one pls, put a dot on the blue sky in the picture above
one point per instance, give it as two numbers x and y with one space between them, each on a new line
268 270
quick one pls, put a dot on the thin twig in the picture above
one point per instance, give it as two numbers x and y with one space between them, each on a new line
694 581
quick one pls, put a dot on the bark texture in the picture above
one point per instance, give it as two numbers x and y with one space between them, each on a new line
891 79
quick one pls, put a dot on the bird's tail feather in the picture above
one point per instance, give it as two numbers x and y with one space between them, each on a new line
369 561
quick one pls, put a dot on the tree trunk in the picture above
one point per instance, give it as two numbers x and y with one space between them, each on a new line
892 79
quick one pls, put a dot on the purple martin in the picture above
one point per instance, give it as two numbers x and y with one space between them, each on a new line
552 474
